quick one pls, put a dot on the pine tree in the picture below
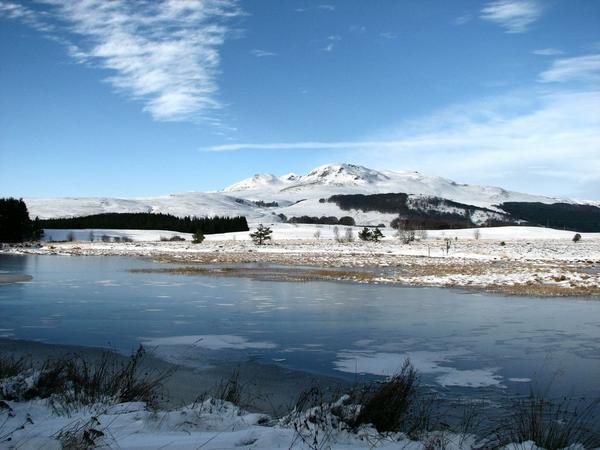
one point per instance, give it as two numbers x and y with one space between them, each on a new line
198 237
261 235
376 235
15 225
365 234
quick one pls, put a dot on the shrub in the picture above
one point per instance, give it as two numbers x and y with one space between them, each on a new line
577 237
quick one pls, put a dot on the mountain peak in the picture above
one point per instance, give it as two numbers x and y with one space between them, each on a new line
260 180
337 174
342 174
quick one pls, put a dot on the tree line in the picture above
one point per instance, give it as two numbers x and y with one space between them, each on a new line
324 220
15 224
151 221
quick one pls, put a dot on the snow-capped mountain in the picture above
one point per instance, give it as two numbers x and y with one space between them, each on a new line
266 197
333 179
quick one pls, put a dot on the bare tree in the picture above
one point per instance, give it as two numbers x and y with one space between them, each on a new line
448 243
336 233
476 234
406 236
317 234
349 235
421 235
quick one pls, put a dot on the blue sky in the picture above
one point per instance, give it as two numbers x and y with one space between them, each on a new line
144 98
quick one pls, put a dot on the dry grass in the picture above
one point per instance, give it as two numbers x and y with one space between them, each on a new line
11 366
73 380
271 274
551 425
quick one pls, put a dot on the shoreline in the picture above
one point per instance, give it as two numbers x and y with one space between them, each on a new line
266 388
530 268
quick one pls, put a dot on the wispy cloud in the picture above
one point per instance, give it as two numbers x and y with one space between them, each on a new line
514 15
331 42
262 53
326 7
581 68
548 52
388 35
463 19
507 140
164 53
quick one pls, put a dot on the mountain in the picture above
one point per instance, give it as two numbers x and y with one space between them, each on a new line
369 196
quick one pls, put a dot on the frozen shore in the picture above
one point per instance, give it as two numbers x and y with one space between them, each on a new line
513 260
61 419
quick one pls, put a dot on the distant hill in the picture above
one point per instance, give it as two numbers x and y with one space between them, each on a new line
331 191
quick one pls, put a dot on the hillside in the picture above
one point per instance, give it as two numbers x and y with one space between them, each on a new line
270 198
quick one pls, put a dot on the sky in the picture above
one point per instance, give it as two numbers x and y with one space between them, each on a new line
141 98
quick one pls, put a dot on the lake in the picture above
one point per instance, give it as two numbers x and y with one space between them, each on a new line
463 343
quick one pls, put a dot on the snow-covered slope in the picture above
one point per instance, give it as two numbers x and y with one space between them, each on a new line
333 179
294 195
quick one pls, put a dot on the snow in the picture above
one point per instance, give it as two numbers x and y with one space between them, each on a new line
426 362
211 424
293 232
296 195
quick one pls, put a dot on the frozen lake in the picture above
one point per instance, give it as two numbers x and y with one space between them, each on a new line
467 343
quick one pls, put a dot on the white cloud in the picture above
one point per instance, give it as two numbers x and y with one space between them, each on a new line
326 7
262 53
580 68
548 52
164 54
514 15
550 140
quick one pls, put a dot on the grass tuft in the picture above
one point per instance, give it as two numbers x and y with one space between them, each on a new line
390 405
73 380
11 366
552 425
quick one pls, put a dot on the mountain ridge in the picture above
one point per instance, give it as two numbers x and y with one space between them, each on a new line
269 198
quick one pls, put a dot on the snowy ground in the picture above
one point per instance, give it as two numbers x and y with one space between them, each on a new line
518 260
212 424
